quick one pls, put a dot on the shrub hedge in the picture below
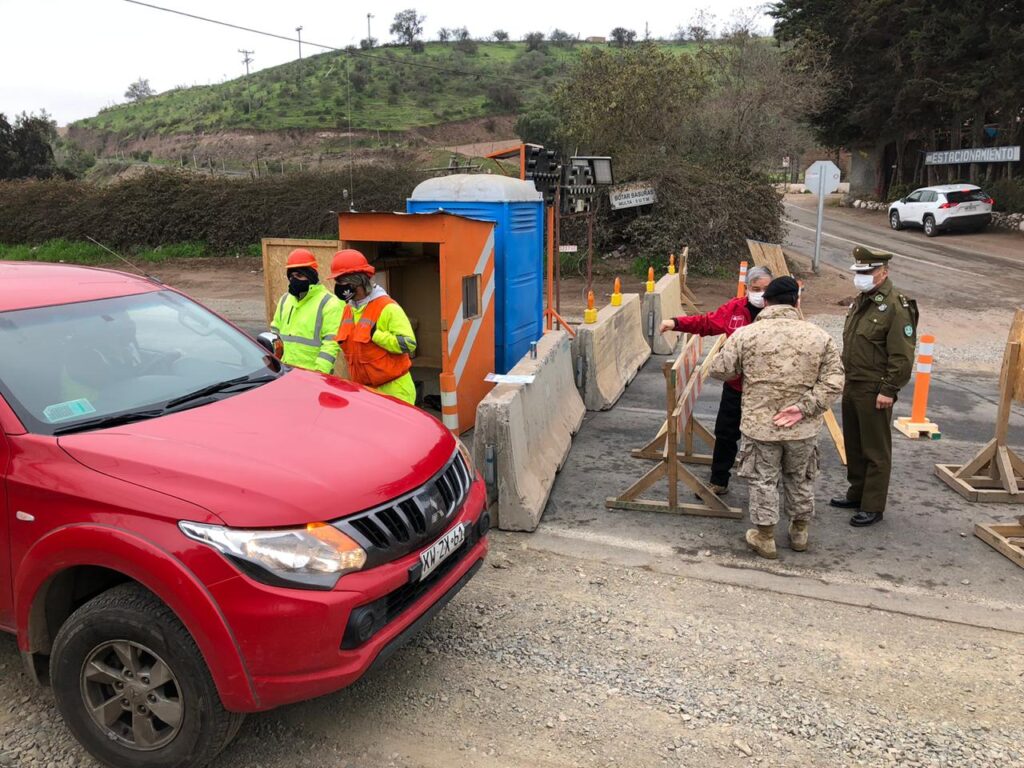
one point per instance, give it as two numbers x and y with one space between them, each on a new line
172 206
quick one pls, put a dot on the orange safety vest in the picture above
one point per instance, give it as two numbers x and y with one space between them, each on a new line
369 364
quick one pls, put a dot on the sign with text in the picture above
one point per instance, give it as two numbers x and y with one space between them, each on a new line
631 195
979 155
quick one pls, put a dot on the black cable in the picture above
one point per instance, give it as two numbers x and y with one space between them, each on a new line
347 52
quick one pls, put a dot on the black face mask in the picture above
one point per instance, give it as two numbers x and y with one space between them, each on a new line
297 287
344 291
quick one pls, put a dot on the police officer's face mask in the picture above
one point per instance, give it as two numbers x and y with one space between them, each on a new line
864 282
344 291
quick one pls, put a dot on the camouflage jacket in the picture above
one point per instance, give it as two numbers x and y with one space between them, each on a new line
879 339
784 361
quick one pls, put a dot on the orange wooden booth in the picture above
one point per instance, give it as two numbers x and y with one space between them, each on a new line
440 268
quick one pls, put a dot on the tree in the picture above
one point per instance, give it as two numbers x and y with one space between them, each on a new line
504 96
563 39
26 147
501 35
535 41
623 37
701 27
444 35
139 90
407 26
464 41
367 43
681 35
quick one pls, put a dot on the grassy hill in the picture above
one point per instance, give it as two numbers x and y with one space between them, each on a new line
392 89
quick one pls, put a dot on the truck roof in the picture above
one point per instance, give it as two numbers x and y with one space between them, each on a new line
27 284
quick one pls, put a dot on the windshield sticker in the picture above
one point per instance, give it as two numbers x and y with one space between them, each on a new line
72 409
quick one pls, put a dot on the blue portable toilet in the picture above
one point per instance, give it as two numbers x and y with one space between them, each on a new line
517 210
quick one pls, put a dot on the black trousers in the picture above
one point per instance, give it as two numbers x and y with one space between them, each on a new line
727 436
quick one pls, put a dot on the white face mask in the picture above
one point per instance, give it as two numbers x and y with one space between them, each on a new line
864 283
756 298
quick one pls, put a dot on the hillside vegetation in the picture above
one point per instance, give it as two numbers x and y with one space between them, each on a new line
391 89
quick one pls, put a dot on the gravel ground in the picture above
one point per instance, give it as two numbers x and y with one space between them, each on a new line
552 661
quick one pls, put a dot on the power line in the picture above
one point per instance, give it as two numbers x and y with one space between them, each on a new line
361 54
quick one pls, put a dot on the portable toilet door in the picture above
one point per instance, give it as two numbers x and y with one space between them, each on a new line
440 268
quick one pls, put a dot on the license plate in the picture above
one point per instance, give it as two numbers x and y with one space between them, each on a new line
969 207
441 550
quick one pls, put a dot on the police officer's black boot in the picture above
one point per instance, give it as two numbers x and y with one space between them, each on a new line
862 518
843 503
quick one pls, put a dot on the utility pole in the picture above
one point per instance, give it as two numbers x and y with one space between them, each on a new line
247 59
298 31
369 37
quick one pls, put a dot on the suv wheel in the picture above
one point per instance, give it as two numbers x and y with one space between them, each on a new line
133 687
894 220
929 226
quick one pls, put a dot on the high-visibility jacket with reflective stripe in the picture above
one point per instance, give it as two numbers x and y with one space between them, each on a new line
379 358
309 327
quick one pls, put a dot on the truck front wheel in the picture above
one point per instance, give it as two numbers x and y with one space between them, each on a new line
133 687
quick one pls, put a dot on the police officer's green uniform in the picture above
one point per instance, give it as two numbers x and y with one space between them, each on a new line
878 354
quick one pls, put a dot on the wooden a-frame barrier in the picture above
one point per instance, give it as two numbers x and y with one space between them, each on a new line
683 381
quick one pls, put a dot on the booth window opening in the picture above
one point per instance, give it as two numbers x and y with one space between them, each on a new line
471 297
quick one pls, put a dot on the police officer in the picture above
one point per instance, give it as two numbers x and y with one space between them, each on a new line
878 355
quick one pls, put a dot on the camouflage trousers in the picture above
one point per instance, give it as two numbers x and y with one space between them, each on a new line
765 463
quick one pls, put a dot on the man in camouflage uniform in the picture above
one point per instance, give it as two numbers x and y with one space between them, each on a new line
878 353
792 374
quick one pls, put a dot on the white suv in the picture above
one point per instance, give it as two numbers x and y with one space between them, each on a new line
949 206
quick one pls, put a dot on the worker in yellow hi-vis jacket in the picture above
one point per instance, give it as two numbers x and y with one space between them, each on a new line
307 317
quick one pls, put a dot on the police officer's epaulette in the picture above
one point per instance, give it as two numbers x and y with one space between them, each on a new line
904 301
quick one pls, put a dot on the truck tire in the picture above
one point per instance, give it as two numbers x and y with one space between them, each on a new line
133 687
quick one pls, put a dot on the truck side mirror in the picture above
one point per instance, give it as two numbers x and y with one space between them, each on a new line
271 342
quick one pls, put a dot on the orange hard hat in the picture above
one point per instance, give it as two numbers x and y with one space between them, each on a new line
350 261
300 257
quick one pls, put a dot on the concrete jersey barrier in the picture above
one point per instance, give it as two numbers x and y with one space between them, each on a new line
664 303
607 354
524 432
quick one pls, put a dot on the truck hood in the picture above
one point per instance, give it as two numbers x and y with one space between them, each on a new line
300 449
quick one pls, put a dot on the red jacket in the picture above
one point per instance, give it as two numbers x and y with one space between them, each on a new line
734 314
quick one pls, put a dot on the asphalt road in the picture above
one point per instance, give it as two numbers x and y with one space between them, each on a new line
983 269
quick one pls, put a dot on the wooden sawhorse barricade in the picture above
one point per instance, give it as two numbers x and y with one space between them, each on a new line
996 472
683 381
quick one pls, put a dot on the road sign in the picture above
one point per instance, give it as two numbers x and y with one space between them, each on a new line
821 179
568 248
785 162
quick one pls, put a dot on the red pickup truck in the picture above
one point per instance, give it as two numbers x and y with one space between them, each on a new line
190 530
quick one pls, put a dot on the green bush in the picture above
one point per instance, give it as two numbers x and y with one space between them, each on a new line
162 206
1008 194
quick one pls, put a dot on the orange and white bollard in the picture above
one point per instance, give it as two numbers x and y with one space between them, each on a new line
449 402
650 279
617 293
917 425
590 313
671 263
741 286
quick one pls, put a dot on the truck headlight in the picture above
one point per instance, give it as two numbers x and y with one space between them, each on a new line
314 556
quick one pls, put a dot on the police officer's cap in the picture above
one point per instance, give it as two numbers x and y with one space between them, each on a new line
866 260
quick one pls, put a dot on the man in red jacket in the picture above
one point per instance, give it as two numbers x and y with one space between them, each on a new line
729 317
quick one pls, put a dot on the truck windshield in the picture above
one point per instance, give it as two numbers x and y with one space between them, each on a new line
125 358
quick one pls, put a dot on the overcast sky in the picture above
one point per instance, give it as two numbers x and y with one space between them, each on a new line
72 57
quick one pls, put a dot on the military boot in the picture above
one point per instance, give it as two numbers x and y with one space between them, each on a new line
798 535
762 541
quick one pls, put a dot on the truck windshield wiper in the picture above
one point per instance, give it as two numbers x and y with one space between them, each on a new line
103 422
213 389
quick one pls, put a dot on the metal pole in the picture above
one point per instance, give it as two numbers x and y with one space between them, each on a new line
590 250
299 31
558 250
821 214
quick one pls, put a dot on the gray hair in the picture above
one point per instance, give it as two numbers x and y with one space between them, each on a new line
755 272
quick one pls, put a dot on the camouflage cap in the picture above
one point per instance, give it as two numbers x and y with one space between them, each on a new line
866 260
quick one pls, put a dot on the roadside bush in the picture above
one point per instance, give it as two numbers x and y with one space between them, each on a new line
160 207
1008 194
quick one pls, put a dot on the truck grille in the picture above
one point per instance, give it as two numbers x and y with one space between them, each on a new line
410 522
